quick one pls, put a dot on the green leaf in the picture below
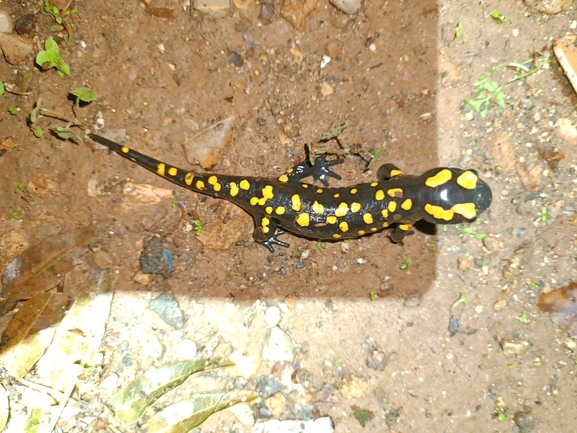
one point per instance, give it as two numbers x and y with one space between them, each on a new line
132 400
63 67
501 97
13 111
38 131
46 57
190 413
363 416
84 94
1 88
51 46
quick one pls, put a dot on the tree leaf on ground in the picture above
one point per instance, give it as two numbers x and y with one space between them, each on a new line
33 421
190 413
4 407
562 304
29 333
130 402
84 94
30 272
363 416
208 146
79 334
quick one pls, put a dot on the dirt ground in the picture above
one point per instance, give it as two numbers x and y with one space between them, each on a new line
363 332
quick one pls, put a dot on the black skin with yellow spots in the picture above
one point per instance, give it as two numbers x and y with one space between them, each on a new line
440 196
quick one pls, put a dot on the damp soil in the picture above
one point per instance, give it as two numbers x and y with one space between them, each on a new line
400 76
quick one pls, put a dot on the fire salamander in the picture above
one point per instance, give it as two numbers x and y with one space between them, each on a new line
440 196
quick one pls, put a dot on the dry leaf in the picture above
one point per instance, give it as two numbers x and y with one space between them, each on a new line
208 147
79 334
42 266
30 332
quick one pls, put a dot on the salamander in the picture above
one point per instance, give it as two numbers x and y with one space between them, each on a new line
441 195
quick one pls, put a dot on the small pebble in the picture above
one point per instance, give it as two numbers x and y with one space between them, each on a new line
349 7
6 25
261 121
376 359
235 59
25 24
464 263
266 12
272 316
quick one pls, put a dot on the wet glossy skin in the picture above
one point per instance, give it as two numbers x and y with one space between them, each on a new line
440 196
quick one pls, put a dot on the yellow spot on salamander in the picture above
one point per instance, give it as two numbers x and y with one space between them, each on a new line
467 180
290 170
244 184
385 213
373 184
368 218
332 219
283 178
396 173
267 192
188 178
172 171
405 227
296 202
160 169
233 189
392 206
344 227
199 185
337 236
319 191
303 219
440 178
265 225
385 224
379 195
213 180
439 213
305 186
280 210
355 207
354 191
342 210
254 201
337 195
124 149
374 229
361 232
318 208
407 204
466 209
268 210
395 192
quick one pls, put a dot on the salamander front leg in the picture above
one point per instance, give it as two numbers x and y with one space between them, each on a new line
267 232
320 171
388 171
399 232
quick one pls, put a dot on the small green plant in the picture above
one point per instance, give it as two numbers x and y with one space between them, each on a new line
470 231
13 144
13 216
372 295
198 227
522 318
544 212
1 88
81 94
319 245
461 301
487 91
18 188
13 111
126 111
499 17
405 264
459 30
61 19
501 417
374 158
50 58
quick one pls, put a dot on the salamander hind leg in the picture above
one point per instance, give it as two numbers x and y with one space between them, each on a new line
320 171
388 171
267 232
399 232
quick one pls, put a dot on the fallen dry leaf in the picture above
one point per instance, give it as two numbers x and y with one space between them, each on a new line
207 147
562 304
42 266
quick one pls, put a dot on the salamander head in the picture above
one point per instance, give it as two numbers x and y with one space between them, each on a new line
453 196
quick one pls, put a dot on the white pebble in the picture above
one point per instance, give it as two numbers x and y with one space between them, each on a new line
272 316
515 32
